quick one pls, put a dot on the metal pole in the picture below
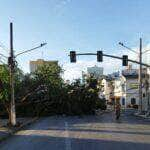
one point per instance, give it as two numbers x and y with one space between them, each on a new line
112 56
11 65
148 95
140 77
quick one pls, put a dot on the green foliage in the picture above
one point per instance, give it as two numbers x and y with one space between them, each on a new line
4 77
5 88
49 74
45 93
42 90
92 82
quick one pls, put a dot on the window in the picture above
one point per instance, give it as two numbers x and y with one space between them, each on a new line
133 101
123 101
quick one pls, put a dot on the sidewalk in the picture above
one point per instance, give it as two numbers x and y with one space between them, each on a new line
100 112
142 116
5 131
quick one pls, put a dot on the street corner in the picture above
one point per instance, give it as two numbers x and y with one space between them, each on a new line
7 130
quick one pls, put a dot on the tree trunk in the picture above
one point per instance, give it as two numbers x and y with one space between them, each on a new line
7 106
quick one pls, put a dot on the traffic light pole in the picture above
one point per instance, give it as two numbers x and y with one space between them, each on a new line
125 62
11 66
116 57
140 75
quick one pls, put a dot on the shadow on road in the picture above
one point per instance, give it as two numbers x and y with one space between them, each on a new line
37 142
84 133
101 131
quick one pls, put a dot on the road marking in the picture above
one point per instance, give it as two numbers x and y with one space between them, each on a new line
67 139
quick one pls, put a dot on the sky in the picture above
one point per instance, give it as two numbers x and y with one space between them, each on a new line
80 25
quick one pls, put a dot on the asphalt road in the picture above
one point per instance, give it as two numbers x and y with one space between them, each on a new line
83 133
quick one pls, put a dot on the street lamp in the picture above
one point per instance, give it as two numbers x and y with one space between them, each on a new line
11 64
140 69
120 43
26 51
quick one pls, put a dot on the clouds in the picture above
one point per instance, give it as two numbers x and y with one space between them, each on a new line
60 5
73 71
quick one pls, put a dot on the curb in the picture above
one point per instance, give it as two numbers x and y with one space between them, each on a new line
144 117
15 130
100 112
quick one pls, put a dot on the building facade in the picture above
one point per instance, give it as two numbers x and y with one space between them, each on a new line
95 71
126 88
107 88
39 62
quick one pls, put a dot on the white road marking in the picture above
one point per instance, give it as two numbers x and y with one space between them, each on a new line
67 139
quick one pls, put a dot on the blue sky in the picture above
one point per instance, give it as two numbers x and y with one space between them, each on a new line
81 25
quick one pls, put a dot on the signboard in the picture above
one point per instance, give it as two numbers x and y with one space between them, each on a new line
130 72
133 86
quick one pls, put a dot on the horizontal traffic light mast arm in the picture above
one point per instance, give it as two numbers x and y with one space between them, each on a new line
130 60
112 56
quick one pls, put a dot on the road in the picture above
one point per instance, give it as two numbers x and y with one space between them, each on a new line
83 133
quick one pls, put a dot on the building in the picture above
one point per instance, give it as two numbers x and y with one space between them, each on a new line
126 88
84 77
114 75
95 71
107 88
39 62
108 85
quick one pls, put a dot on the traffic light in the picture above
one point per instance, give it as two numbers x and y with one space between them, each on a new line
72 56
99 56
125 60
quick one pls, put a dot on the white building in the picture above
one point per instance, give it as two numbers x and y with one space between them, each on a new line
95 71
107 88
126 88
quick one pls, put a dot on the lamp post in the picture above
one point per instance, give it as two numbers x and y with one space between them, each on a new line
11 64
140 70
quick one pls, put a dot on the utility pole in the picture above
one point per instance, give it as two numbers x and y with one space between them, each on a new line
11 66
140 77
140 72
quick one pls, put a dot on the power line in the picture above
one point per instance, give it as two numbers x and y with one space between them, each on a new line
3 47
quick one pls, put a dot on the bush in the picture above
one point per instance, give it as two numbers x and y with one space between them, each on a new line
101 104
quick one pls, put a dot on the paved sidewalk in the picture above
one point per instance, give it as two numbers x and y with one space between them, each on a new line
142 116
135 113
5 131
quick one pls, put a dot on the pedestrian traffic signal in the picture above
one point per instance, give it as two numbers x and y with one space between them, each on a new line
72 56
125 60
99 56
